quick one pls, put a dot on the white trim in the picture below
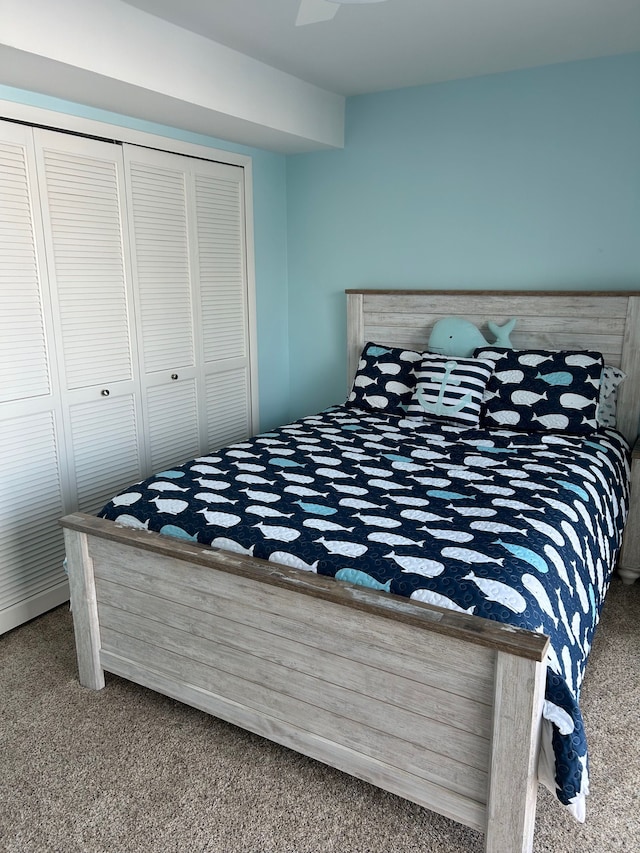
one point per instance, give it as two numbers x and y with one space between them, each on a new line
15 615
93 127
250 266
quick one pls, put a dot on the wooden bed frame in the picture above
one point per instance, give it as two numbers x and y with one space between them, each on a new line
439 707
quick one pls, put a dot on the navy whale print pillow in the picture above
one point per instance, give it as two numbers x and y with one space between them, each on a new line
385 379
542 390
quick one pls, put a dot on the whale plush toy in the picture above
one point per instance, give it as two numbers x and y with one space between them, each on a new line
458 337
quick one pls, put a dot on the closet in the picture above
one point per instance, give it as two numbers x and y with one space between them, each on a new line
125 341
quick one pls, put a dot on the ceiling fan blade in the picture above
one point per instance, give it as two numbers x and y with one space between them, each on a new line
315 11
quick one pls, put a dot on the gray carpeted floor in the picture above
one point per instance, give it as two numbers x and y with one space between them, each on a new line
125 770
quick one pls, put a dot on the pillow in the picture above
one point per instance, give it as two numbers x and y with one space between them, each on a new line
542 390
450 389
385 379
607 405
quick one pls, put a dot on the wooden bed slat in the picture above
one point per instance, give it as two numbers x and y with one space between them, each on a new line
323 620
499 303
607 326
392 779
396 735
296 641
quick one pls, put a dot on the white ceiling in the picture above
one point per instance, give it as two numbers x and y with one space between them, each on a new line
397 43
242 72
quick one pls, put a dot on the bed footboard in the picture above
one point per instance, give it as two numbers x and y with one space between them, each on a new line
438 707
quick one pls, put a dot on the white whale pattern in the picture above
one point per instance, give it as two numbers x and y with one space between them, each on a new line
207 469
406 500
527 398
220 519
287 559
281 534
499 592
423 509
468 555
474 511
267 511
441 600
256 495
378 520
170 506
254 479
219 485
231 545
132 521
536 588
575 401
214 498
448 534
417 565
322 524
497 527
346 549
305 492
167 487
127 498
356 503
393 539
421 516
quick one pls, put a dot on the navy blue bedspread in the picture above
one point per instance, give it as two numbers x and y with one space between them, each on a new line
515 527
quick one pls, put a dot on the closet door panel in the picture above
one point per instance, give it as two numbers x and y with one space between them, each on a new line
106 455
188 240
228 418
83 199
222 291
33 480
161 259
32 578
24 365
158 194
82 186
174 434
221 262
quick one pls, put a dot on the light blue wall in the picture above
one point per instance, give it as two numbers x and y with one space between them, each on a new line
529 179
270 223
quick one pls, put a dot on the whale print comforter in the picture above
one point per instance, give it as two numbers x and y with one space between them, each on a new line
522 528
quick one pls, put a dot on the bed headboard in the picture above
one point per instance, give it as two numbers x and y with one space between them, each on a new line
608 322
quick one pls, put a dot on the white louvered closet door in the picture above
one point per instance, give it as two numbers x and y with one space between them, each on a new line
188 250
32 484
222 277
83 198
124 334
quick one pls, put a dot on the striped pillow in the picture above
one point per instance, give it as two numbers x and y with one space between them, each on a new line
450 389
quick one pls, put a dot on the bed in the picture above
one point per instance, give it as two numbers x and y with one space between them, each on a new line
348 655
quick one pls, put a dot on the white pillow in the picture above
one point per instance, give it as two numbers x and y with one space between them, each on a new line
608 401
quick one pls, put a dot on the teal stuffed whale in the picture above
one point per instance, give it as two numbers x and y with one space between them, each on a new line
455 336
